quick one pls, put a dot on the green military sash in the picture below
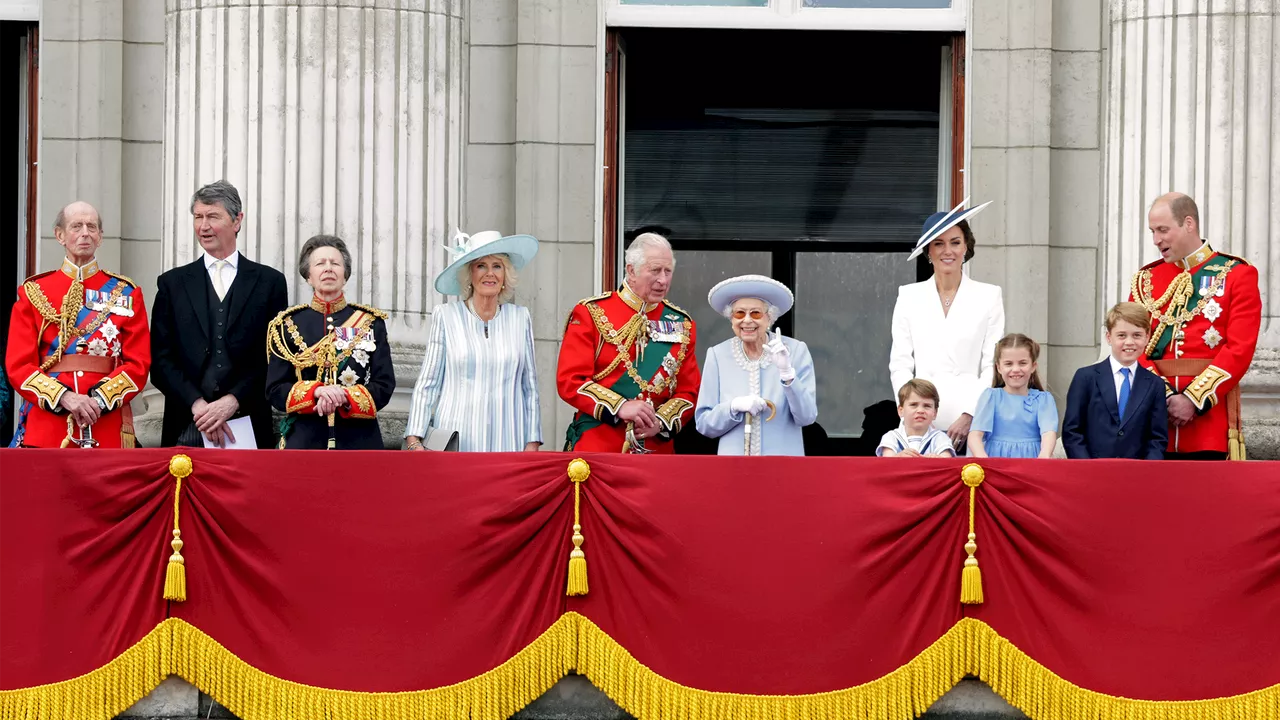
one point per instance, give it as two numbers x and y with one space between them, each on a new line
646 367
1202 282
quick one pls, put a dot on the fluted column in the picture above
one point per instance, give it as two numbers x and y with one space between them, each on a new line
330 116
333 116
1193 100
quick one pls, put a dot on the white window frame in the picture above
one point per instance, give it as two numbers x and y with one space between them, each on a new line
788 15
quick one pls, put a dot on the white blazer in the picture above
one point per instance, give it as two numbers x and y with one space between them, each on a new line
955 351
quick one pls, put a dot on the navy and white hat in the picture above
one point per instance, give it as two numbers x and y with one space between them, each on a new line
519 248
727 292
941 222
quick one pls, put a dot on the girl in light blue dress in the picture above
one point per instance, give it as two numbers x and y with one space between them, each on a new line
1016 417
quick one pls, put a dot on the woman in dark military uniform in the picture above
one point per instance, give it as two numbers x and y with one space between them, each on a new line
330 364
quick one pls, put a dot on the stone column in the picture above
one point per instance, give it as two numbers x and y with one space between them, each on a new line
1034 107
329 116
1193 96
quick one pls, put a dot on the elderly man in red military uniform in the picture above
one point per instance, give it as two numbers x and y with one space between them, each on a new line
79 349
628 361
1205 315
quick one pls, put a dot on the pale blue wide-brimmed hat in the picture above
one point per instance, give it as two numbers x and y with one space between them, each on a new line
519 248
727 292
941 222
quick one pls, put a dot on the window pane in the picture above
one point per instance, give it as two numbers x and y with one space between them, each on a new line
844 311
727 145
696 272
878 3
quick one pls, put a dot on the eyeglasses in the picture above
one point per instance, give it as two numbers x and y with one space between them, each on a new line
755 314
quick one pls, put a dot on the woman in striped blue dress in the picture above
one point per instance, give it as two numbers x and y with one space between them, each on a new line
478 376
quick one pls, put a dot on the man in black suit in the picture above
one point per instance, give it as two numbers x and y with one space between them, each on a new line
1117 409
209 331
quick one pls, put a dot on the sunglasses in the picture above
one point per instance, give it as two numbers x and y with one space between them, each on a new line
740 314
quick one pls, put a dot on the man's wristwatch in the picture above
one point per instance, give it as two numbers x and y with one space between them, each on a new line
102 404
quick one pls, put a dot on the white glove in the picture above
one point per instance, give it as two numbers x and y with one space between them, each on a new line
781 357
753 404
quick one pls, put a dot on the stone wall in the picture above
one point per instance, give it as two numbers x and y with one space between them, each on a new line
534 69
1034 117
573 698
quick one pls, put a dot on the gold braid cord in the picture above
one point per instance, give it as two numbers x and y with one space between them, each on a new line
635 329
175 576
1170 309
579 471
68 331
575 644
972 476
323 355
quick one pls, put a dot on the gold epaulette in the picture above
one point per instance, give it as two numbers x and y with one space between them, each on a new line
677 308
279 318
37 276
118 276
594 298
1237 258
38 300
380 314
1153 265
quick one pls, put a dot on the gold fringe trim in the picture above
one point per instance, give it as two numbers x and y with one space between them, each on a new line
970 647
252 694
572 643
103 693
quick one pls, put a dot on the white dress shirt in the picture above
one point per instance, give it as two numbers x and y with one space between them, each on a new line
228 270
1115 375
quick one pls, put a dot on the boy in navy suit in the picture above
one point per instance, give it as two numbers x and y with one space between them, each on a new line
1117 409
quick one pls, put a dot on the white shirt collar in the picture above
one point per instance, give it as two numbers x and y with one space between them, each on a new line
1116 365
233 260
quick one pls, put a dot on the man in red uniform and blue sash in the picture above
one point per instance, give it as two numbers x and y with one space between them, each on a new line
1206 312
628 362
79 348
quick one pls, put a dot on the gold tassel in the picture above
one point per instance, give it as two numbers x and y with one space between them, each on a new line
175 576
128 440
1235 445
579 471
972 476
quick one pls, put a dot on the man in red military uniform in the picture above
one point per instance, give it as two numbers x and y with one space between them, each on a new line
628 361
78 347
1205 315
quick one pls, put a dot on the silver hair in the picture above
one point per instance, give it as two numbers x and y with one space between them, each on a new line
221 193
771 312
638 250
509 282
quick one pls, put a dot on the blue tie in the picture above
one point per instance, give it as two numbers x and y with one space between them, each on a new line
1124 390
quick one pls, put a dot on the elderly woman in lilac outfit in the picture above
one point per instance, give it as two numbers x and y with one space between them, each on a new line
757 391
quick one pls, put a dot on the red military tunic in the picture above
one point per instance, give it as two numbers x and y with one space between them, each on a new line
87 336
608 357
1205 315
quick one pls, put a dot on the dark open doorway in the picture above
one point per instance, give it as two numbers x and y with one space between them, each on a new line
809 156
19 133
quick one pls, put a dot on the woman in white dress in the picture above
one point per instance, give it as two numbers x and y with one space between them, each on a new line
945 328
478 376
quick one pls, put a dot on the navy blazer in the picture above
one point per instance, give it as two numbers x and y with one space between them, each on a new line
1093 427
